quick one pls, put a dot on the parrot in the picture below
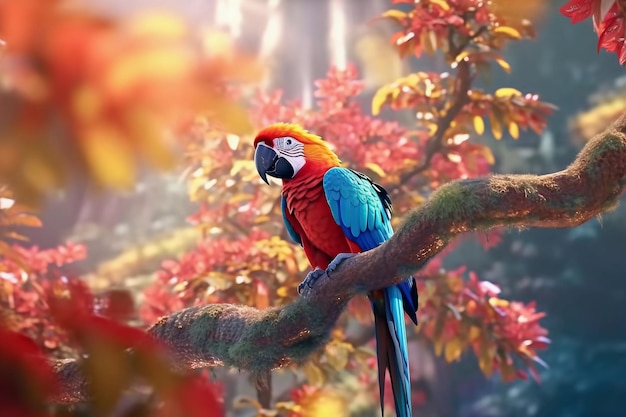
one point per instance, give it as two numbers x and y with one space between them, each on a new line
335 212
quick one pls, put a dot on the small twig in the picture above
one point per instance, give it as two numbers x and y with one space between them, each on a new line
464 82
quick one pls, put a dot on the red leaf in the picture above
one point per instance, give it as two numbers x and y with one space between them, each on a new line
611 30
25 378
577 10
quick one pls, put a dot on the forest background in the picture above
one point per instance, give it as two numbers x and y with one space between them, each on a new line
93 192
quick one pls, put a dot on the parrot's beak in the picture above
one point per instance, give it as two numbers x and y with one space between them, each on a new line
265 159
269 162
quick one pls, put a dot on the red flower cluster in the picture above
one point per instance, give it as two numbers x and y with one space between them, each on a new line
608 21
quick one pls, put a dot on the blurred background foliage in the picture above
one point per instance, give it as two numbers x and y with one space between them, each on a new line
127 185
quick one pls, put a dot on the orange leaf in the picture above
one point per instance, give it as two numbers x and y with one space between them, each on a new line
25 220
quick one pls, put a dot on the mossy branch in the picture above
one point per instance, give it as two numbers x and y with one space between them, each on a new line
257 340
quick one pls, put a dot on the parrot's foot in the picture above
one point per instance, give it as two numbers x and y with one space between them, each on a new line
317 273
337 261
310 279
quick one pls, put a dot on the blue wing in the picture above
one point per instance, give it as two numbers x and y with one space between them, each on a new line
292 233
361 207
363 210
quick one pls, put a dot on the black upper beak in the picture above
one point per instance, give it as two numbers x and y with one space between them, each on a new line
265 159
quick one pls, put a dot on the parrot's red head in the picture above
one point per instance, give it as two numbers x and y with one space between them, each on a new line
284 150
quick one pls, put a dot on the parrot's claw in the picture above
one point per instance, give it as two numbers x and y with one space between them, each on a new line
310 279
317 273
337 261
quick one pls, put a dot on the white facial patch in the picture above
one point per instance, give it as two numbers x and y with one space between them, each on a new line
292 150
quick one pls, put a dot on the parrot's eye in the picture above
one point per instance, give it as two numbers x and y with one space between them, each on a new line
286 143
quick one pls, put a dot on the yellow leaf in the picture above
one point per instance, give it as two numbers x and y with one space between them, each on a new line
473 333
460 57
380 98
158 25
498 302
282 291
337 356
508 31
443 4
513 130
486 152
239 198
485 362
438 344
325 403
109 156
503 64
496 127
240 165
314 375
394 14
479 124
507 92
375 168
486 354
428 40
149 67
262 219
453 351
25 220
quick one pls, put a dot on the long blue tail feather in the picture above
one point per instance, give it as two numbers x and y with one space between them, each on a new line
408 288
391 349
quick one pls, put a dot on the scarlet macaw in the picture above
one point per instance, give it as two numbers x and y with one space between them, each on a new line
333 213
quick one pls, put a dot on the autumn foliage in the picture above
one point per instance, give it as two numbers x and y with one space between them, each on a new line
112 103
608 22
89 81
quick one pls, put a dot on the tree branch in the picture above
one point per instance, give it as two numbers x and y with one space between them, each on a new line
258 340
435 143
